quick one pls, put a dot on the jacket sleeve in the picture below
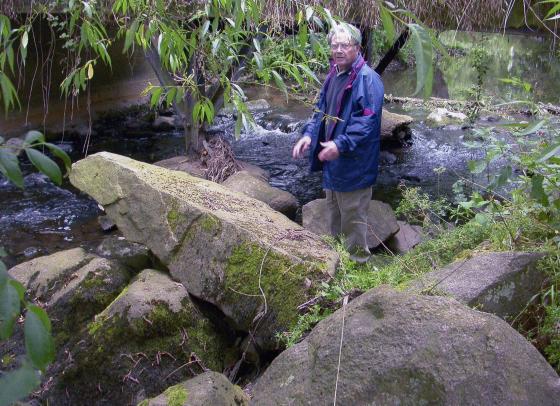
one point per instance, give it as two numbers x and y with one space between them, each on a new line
366 103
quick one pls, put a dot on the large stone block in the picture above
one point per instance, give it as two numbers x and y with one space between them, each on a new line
501 283
405 349
226 248
382 222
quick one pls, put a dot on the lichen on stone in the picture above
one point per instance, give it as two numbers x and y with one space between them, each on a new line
176 395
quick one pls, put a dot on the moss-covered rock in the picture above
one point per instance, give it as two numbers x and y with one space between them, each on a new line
74 285
40 274
149 337
201 230
209 388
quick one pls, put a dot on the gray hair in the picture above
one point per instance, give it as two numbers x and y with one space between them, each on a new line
346 29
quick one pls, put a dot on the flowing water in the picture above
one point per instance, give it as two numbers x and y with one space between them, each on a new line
44 218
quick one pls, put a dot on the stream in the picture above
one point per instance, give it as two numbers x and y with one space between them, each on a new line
44 218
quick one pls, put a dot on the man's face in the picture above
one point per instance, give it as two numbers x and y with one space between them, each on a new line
343 51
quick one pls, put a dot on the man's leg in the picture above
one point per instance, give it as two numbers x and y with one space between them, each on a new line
332 214
353 211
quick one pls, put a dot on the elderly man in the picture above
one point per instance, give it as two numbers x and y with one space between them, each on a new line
343 137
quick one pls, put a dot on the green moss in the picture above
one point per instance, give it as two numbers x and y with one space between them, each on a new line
281 280
174 216
209 223
176 395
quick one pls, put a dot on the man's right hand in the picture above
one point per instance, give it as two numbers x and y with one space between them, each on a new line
301 146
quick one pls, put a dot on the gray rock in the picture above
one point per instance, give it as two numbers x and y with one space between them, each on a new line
395 125
209 388
407 238
278 199
501 283
404 349
151 335
73 284
163 123
134 255
106 223
382 223
441 116
40 274
255 171
225 247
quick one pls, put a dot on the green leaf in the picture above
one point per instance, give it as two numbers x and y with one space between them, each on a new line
39 343
15 385
204 29
24 39
9 166
154 99
308 12
238 125
3 253
280 83
503 176
33 136
423 52
9 93
549 153
388 26
9 307
477 166
482 218
44 164
537 190
258 60
309 72
59 153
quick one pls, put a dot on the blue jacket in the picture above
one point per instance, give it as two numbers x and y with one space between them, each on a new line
356 135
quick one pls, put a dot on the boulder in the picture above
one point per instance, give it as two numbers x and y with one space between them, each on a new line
278 199
441 116
106 223
163 123
209 388
73 284
406 238
501 283
382 223
193 167
151 336
135 256
403 349
255 170
251 262
395 125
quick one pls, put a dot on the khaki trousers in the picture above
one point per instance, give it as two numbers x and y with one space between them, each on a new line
347 215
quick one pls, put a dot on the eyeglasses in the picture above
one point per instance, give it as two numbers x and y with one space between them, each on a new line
344 47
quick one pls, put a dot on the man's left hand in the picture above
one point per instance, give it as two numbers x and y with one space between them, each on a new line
329 152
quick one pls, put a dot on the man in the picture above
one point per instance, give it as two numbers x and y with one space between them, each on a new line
343 137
